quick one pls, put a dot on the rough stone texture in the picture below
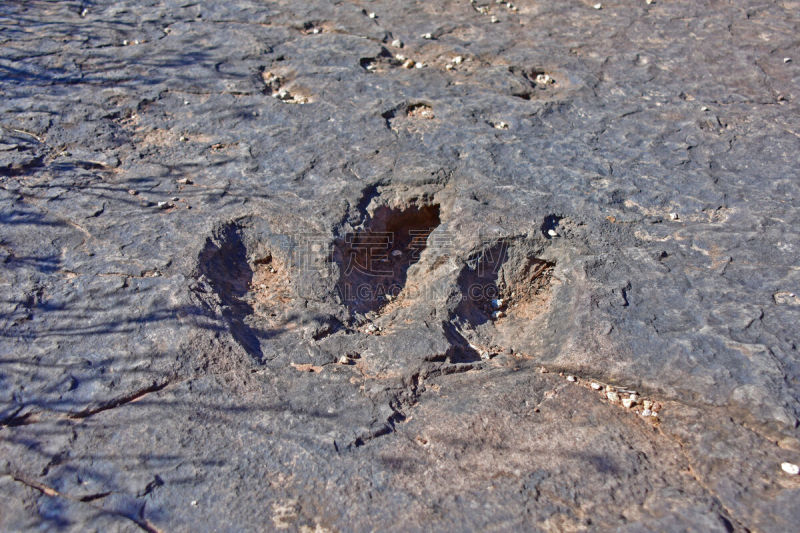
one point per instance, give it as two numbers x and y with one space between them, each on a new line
184 185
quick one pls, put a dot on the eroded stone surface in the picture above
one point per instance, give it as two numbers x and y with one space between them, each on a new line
179 350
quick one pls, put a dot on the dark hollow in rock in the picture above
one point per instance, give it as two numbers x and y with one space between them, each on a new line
502 271
223 262
537 80
374 261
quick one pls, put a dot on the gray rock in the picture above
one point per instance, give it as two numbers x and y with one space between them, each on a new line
151 358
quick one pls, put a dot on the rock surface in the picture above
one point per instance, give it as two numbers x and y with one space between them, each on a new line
189 190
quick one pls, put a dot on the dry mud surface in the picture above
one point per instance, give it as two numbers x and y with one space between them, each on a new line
189 194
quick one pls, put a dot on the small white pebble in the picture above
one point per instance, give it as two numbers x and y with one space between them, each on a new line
408 63
552 233
790 468
704 108
673 216
186 102
397 43
125 43
497 303
397 253
85 11
448 66
193 503
634 397
183 138
372 15
572 379
136 41
648 2
427 36
343 360
498 314
596 386
654 414
501 125
612 396
647 404
787 59
484 355
647 412
315 31
419 65
400 57
598 6
494 20
164 205
458 60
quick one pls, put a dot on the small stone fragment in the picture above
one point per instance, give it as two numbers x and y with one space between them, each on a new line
419 65
164 205
184 138
193 503
572 379
596 386
501 125
543 370
397 43
427 36
485 355
397 253
494 20
673 216
372 15
408 63
458 60
598 6
612 396
344 360
552 233
790 468
498 314
628 402
647 404
647 412
133 192
497 303
787 59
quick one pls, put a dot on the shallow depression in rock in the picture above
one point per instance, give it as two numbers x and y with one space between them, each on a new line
374 261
